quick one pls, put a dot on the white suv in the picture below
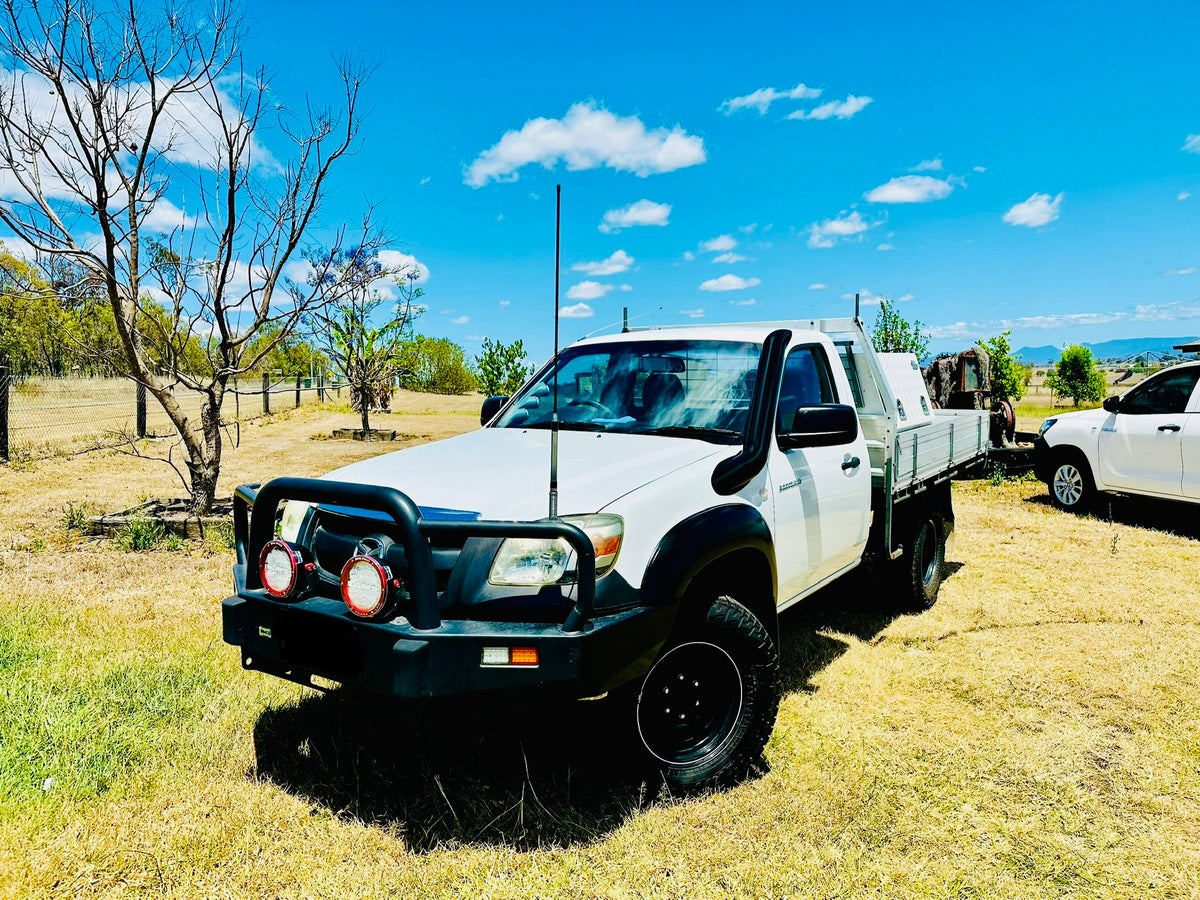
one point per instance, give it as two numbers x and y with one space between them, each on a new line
1146 441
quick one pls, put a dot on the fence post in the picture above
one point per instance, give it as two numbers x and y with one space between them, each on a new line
321 388
297 391
3 413
266 393
141 410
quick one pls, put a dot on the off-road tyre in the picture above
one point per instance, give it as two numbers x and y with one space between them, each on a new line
708 704
1071 486
923 563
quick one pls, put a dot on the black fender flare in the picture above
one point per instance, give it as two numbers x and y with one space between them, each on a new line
700 540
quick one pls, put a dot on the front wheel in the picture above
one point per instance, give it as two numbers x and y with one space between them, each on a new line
708 703
1071 486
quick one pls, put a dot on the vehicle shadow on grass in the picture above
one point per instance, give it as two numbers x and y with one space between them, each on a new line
856 605
1173 516
510 771
515 774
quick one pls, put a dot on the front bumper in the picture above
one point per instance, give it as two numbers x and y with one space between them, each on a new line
417 653
319 637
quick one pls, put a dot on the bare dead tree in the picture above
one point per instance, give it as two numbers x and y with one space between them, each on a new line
130 136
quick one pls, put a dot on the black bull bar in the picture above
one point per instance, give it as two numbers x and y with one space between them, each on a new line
253 531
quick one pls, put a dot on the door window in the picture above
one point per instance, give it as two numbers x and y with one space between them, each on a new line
1164 394
806 382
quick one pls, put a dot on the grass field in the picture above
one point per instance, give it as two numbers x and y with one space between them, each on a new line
1035 734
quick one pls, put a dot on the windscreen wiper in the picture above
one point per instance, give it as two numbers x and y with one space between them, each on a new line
716 435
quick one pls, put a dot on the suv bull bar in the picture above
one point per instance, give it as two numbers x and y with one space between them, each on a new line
255 509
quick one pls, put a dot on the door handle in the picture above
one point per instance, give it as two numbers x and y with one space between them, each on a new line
1168 427
852 463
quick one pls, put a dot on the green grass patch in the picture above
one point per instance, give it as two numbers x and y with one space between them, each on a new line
63 736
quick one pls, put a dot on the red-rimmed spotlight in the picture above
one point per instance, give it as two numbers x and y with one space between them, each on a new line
279 567
365 585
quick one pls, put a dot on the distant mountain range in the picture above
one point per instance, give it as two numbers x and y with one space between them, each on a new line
1119 349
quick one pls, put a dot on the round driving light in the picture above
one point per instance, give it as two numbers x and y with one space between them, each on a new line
278 565
364 585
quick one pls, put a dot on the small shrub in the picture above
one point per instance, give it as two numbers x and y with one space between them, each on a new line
75 517
138 534
220 537
173 541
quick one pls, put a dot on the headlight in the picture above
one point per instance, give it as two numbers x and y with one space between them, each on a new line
294 512
538 561
365 585
278 567
1046 426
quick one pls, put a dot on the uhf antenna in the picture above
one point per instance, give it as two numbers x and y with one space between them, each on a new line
554 367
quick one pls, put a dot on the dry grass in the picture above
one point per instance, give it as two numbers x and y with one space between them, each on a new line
1036 734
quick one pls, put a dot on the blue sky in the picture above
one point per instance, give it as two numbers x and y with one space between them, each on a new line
1048 154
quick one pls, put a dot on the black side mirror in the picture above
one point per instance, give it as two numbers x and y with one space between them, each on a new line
821 426
1112 404
491 406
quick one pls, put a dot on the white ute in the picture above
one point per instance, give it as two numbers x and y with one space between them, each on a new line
709 477
1146 442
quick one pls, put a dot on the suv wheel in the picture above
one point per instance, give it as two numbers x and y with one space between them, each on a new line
1071 486
924 561
708 703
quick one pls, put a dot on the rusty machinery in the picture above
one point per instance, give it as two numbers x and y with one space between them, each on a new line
964 381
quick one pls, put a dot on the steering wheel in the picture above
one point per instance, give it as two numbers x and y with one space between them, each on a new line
600 408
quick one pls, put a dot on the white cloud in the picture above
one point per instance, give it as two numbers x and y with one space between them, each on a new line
614 265
504 304
928 165
424 181
460 320
910 189
165 216
980 169
688 255
578 311
643 212
588 290
625 288
834 109
587 137
904 298
748 229
764 97
1164 312
817 286
1189 270
1039 209
729 283
865 297
886 247
1183 195
750 302
830 231
397 261
1192 144
692 313
730 258
718 244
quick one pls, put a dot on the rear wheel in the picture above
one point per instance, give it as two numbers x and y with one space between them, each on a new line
708 703
1071 486
923 563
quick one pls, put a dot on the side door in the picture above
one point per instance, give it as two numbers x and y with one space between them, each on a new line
822 494
1140 446
1190 447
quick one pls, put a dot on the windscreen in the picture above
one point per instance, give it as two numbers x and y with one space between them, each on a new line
685 388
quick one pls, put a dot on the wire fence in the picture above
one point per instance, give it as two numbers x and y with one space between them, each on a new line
46 416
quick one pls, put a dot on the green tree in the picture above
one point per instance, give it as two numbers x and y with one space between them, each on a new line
1008 375
895 334
368 353
502 368
437 366
1077 377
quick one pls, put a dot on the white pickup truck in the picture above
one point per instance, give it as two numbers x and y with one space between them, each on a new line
1146 441
709 477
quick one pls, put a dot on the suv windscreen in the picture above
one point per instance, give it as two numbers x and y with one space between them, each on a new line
689 388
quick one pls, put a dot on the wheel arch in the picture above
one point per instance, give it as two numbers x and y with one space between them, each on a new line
726 549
